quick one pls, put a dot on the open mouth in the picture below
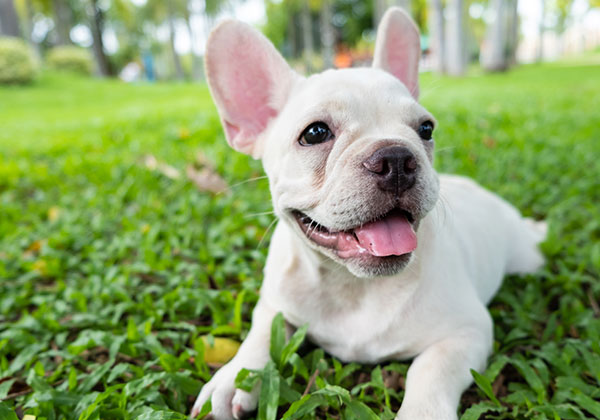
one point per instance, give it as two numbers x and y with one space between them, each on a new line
390 234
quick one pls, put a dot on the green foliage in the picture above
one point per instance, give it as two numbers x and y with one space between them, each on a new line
70 59
112 274
17 64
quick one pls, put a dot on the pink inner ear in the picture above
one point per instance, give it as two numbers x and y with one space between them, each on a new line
248 80
402 60
249 91
398 48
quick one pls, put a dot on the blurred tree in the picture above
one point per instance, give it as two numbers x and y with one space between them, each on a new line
161 11
500 42
379 7
437 35
307 35
63 21
9 23
25 11
405 4
455 53
542 30
327 33
96 22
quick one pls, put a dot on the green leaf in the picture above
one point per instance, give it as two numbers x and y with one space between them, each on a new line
277 338
359 410
269 393
484 384
161 415
7 413
304 406
475 411
72 378
293 345
334 391
246 379
93 378
5 387
589 404
531 377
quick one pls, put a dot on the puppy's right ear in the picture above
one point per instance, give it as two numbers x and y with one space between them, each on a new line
249 81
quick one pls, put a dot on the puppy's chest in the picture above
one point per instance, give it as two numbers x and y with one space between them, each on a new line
353 324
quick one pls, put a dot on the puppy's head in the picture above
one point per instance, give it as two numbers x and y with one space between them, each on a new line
348 152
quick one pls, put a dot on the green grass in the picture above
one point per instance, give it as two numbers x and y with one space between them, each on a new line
111 273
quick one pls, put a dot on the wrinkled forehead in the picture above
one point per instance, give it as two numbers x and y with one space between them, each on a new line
351 91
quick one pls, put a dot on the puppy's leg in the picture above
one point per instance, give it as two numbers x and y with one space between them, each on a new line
439 375
227 401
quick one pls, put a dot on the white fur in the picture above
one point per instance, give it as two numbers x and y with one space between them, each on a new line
432 310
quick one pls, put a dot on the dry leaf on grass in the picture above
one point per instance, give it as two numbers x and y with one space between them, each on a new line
206 179
167 170
54 213
221 352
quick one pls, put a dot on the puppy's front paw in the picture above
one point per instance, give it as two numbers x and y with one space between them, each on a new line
227 402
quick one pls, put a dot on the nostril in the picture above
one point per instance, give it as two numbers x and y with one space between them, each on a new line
375 165
410 165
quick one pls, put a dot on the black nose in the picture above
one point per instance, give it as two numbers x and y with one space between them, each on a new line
395 168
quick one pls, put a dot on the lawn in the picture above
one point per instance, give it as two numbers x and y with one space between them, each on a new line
117 276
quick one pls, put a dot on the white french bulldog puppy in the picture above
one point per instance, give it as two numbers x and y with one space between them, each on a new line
381 256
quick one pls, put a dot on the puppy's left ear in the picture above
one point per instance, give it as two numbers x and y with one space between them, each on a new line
398 48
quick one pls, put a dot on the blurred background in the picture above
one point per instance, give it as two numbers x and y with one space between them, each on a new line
156 40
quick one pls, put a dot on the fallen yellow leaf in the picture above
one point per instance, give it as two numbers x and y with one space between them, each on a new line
40 266
53 213
35 246
221 352
184 133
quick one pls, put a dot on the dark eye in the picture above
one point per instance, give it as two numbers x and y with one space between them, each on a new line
425 130
315 133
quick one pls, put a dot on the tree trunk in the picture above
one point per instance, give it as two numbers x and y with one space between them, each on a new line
327 34
493 55
176 61
9 22
62 21
513 32
292 35
405 4
436 35
379 7
540 52
196 60
307 35
97 27
456 52
28 28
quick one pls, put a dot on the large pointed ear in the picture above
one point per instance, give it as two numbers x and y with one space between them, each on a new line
398 48
249 81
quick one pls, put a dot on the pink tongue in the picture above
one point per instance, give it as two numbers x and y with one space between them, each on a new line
392 235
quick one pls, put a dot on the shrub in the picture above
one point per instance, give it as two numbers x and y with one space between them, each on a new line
17 64
70 58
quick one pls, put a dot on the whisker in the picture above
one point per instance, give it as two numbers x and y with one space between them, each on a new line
258 178
266 233
247 216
